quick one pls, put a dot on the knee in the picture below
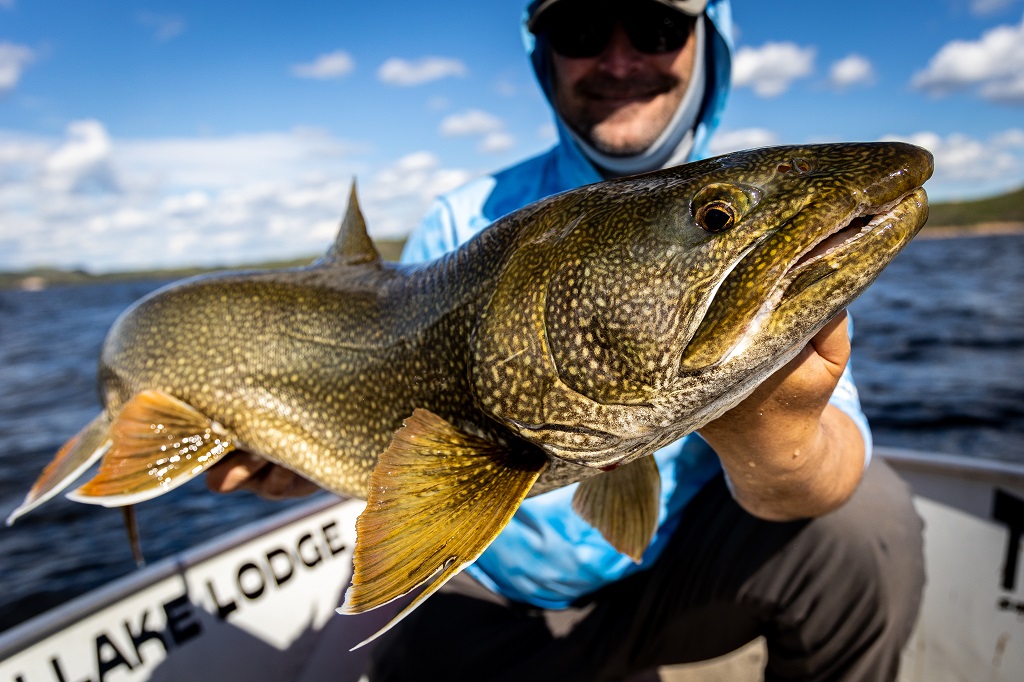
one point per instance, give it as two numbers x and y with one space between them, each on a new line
872 550
851 600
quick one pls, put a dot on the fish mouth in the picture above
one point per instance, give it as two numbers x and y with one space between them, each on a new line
862 243
845 238
826 254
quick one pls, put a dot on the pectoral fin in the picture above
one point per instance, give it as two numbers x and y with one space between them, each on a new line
70 462
158 443
623 504
437 498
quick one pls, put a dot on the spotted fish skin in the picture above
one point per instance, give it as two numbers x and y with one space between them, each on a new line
564 343
314 368
562 330
656 303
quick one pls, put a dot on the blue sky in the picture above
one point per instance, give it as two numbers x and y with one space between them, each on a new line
136 134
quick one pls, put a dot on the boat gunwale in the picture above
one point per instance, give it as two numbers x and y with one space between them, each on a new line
36 629
40 627
969 468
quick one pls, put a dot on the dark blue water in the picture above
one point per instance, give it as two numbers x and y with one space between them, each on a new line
938 357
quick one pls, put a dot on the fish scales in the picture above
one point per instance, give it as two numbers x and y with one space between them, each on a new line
564 343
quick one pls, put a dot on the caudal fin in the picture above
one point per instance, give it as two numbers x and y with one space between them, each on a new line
70 462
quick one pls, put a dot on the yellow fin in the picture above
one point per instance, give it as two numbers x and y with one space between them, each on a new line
70 462
159 443
437 498
623 505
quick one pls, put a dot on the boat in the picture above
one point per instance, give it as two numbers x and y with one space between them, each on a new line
259 603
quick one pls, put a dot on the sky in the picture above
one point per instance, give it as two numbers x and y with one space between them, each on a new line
149 135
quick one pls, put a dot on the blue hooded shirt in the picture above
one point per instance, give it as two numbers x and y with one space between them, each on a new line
548 556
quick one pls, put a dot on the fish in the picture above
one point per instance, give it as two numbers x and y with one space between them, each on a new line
565 343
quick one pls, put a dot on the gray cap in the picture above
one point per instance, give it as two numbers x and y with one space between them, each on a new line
691 7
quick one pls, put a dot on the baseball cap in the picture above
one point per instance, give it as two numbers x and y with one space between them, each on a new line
691 7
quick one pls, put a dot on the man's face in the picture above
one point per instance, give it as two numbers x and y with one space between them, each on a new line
621 99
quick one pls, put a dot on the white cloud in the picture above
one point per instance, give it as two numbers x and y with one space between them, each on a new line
397 71
17 150
745 138
88 144
165 26
490 128
189 203
994 64
406 188
82 161
13 60
851 70
984 7
1014 137
331 65
470 122
195 201
499 141
771 68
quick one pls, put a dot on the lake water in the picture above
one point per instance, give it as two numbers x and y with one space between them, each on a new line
938 358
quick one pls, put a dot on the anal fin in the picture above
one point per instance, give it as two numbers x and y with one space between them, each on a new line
70 462
623 505
436 500
158 443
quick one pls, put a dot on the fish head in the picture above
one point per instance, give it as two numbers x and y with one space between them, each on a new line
635 311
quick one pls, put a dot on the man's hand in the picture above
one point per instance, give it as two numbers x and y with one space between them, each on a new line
246 471
788 453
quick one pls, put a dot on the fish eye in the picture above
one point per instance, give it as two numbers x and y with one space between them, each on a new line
717 207
715 216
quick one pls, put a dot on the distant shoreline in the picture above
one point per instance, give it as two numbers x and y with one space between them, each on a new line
979 230
37 281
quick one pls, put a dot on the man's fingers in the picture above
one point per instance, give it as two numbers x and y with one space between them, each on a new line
234 472
832 343
279 483
246 471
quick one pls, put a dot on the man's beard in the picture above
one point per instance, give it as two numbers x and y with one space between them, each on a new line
599 86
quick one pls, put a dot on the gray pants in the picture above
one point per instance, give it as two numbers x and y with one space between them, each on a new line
835 598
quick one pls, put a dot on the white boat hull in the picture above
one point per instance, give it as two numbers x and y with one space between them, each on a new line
971 625
259 604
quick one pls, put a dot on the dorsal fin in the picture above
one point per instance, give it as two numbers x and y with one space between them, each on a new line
353 245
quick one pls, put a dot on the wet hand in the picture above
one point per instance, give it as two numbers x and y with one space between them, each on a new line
788 453
246 471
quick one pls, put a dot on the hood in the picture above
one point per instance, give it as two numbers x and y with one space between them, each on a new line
717 57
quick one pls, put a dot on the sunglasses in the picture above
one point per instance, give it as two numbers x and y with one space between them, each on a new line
580 30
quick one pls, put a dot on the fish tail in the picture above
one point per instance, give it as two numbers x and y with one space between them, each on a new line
70 462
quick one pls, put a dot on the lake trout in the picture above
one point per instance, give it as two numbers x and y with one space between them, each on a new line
566 342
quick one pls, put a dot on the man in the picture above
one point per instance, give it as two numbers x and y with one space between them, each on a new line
638 85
